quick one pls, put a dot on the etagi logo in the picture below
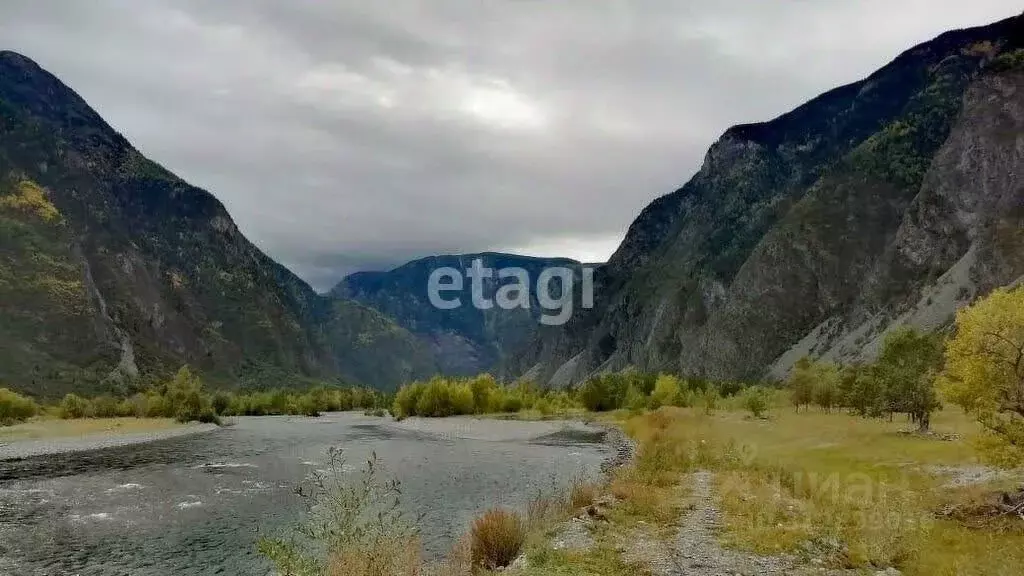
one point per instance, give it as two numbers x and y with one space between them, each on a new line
555 289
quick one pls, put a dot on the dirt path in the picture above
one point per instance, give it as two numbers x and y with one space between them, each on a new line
697 552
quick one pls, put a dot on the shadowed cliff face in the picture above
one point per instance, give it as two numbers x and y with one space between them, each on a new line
112 269
817 231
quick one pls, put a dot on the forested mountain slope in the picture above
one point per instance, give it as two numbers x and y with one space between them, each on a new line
113 270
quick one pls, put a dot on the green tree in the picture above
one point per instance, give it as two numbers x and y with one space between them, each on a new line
825 392
861 391
185 396
906 370
801 382
984 371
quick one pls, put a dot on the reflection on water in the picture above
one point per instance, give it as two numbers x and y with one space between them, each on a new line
195 505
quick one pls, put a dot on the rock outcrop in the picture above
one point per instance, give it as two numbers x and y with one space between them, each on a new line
889 201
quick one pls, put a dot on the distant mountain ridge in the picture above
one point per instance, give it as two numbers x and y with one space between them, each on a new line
893 200
113 270
464 340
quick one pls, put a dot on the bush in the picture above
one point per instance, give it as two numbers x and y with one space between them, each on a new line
497 537
667 392
407 399
603 393
221 403
15 408
74 406
755 401
105 407
353 527
708 400
512 403
461 398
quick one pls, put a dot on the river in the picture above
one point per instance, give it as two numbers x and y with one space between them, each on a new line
196 504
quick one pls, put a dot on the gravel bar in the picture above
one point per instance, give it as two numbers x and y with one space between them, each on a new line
22 449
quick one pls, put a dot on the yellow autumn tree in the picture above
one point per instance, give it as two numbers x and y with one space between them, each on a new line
984 372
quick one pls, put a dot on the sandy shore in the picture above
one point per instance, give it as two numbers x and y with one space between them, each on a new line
20 449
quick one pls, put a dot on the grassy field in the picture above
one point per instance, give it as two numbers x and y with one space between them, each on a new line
859 493
846 491
49 428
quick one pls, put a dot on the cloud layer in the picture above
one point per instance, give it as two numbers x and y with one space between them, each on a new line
350 135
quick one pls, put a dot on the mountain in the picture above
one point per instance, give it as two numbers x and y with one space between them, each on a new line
893 200
464 340
113 270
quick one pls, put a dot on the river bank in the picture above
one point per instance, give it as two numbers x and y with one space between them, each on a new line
93 437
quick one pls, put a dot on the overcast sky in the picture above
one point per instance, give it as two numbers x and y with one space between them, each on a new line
358 134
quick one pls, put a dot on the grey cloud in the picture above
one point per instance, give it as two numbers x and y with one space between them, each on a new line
352 135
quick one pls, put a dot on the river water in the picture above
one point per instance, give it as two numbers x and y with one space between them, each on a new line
196 504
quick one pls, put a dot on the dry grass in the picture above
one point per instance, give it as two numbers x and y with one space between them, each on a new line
47 428
582 493
497 537
391 558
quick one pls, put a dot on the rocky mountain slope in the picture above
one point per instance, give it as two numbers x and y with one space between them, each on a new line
892 200
464 340
113 270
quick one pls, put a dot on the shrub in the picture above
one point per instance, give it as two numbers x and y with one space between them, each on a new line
635 399
484 388
435 400
603 392
667 392
582 493
708 400
755 401
407 399
497 537
74 406
512 403
208 416
1011 60
221 402
157 406
461 398
353 527
105 407
15 408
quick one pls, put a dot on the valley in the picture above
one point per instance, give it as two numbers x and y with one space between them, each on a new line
806 359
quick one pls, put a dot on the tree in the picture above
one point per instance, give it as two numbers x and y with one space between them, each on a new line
186 399
861 391
984 370
825 390
801 382
906 370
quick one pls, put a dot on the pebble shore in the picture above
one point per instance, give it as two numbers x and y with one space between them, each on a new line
22 449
